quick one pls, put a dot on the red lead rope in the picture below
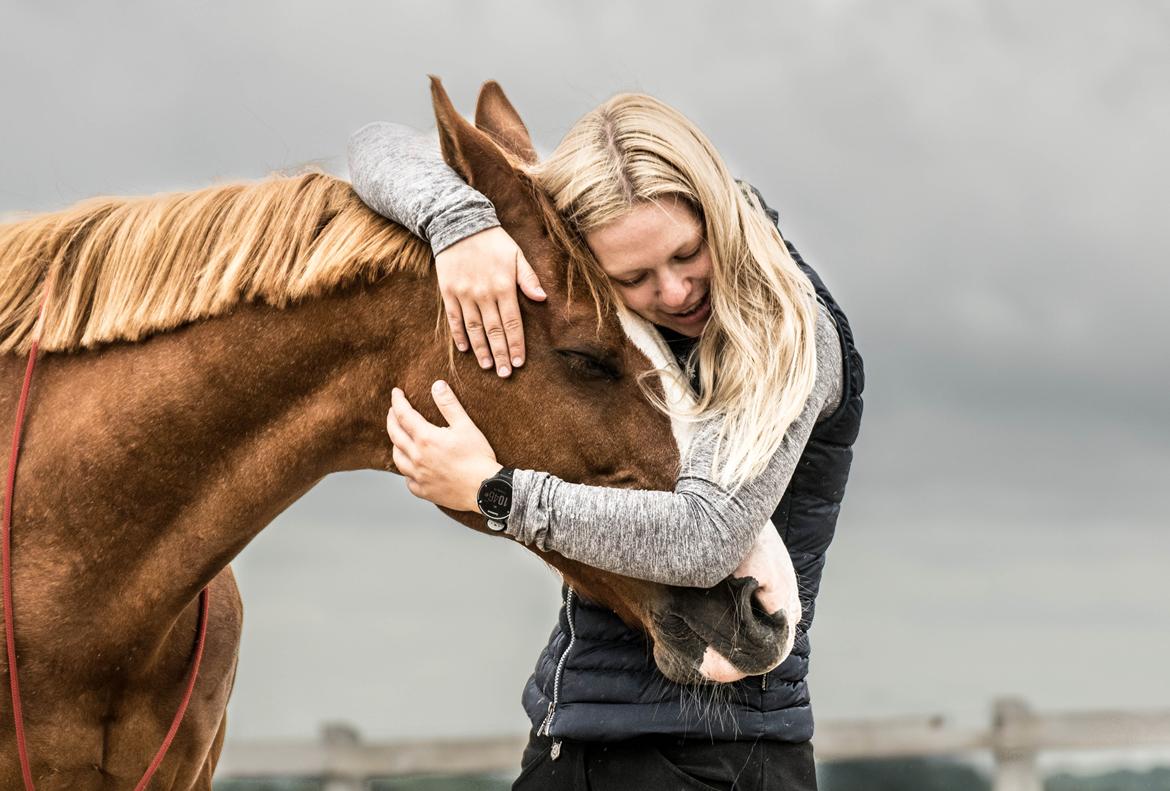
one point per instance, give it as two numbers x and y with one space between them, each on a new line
9 630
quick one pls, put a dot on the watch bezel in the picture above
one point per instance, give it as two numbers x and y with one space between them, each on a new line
501 482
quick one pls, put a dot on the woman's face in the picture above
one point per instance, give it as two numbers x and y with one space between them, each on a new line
660 263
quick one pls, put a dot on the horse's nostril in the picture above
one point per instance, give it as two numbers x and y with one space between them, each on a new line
748 609
758 611
763 633
776 621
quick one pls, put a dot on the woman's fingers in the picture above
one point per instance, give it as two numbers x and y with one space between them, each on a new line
403 449
529 283
402 463
398 435
493 326
455 322
480 277
474 323
448 404
414 425
513 328
415 488
526 277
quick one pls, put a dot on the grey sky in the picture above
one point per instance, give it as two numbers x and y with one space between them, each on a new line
983 185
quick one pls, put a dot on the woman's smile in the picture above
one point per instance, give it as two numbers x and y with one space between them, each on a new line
696 315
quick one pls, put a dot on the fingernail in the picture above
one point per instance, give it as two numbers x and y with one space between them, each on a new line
440 386
486 363
517 361
395 391
541 292
505 370
461 347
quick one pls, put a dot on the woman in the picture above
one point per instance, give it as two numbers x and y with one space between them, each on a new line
778 386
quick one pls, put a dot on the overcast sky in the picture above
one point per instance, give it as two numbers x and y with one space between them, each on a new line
983 185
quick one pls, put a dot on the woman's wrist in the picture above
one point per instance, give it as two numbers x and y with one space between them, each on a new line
479 473
453 227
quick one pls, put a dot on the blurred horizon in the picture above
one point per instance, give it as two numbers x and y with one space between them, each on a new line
981 184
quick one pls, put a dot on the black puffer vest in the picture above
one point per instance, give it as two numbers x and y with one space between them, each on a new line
596 679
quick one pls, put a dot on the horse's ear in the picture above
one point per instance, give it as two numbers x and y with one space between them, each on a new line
472 154
495 115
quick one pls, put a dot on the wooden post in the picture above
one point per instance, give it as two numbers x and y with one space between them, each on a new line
1013 743
340 742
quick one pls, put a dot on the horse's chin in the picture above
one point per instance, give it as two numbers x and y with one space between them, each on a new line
678 667
716 667
690 660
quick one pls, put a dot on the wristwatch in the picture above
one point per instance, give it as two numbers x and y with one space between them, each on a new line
495 498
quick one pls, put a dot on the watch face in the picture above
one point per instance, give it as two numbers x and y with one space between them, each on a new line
495 499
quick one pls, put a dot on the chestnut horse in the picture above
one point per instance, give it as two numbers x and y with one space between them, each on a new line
209 357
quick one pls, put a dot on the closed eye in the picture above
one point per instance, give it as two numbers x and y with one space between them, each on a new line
590 366
642 275
633 282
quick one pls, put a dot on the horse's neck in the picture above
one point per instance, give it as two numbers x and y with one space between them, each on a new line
149 466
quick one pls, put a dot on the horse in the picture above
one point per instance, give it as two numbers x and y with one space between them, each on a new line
208 357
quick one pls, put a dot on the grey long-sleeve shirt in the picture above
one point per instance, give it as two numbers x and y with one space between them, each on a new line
696 534
400 174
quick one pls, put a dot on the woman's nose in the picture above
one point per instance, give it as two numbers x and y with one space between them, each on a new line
674 292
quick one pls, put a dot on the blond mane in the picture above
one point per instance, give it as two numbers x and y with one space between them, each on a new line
126 268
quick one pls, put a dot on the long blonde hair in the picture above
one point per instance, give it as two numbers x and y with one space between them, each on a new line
757 353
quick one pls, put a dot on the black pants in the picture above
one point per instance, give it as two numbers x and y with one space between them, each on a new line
668 763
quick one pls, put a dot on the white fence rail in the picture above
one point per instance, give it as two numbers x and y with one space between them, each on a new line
1015 738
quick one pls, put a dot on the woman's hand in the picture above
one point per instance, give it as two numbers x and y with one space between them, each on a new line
478 278
443 465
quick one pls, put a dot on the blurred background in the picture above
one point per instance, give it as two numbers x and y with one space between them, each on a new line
983 185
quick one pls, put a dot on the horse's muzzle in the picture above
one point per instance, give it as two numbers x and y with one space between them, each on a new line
719 634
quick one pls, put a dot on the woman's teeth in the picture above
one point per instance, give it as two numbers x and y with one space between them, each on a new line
695 309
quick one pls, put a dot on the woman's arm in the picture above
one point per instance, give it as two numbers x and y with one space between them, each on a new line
400 173
697 534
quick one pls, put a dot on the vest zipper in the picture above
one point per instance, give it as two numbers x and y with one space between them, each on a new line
552 706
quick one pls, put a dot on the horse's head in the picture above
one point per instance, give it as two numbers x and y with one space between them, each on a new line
576 409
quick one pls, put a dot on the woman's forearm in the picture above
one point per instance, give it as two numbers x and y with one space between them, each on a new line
399 172
695 535
692 536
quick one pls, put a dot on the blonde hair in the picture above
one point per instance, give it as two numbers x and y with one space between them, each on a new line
125 268
757 353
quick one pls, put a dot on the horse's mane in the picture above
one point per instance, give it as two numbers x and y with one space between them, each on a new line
126 268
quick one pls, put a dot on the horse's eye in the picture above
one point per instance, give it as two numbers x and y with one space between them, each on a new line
590 365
